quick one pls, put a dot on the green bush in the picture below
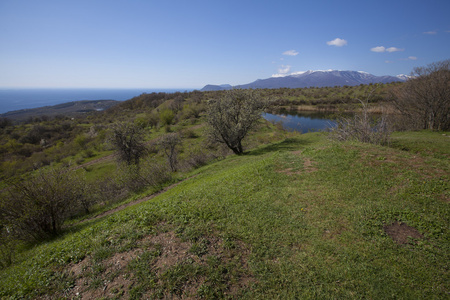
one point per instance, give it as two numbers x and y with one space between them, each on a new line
166 116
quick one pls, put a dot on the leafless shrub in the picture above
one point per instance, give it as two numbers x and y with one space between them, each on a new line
169 143
36 208
127 139
198 159
110 190
363 127
7 247
155 174
133 178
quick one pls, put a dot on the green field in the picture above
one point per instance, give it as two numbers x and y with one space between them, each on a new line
303 218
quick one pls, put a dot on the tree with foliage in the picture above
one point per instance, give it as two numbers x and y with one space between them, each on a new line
425 99
167 116
233 115
127 138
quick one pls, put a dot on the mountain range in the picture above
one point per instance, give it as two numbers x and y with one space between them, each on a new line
328 78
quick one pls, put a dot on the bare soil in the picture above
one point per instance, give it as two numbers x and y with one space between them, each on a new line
116 279
402 233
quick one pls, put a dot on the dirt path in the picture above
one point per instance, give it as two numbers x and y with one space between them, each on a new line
96 161
123 206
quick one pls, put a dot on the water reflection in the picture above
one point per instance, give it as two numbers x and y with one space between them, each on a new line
303 121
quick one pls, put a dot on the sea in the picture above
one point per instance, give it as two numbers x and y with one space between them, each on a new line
16 99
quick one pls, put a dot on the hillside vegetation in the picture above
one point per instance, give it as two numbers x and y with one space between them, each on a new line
139 202
300 218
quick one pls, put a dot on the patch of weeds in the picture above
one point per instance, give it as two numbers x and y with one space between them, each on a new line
97 269
175 278
103 253
229 243
200 247
144 273
189 233
222 275
95 283
117 292
137 291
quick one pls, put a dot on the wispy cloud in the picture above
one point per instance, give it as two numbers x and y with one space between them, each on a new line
394 49
378 49
337 42
290 52
384 49
282 71
432 32
409 58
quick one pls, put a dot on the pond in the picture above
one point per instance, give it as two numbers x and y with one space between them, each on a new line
303 121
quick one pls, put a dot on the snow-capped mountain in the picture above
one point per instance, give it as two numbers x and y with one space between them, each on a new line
404 77
318 78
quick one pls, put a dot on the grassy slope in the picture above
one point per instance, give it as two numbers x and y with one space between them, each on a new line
302 218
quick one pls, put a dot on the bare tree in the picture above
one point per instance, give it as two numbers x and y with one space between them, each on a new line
169 143
425 99
37 207
233 115
127 138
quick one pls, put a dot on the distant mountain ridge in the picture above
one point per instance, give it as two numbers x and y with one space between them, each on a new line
212 87
318 78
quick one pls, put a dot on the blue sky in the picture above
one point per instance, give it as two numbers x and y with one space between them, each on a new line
188 44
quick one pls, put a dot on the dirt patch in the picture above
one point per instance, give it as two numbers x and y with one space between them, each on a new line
308 167
298 152
308 164
290 171
174 269
90 283
402 233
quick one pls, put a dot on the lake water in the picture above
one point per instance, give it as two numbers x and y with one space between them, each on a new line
302 121
15 99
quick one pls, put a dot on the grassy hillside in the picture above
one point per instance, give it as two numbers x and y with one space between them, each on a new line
302 218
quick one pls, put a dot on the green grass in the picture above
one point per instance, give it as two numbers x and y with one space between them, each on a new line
302 218
426 142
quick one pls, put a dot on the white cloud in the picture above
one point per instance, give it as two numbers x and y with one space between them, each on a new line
384 49
378 49
282 71
394 49
337 42
388 62
290 53
430 32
